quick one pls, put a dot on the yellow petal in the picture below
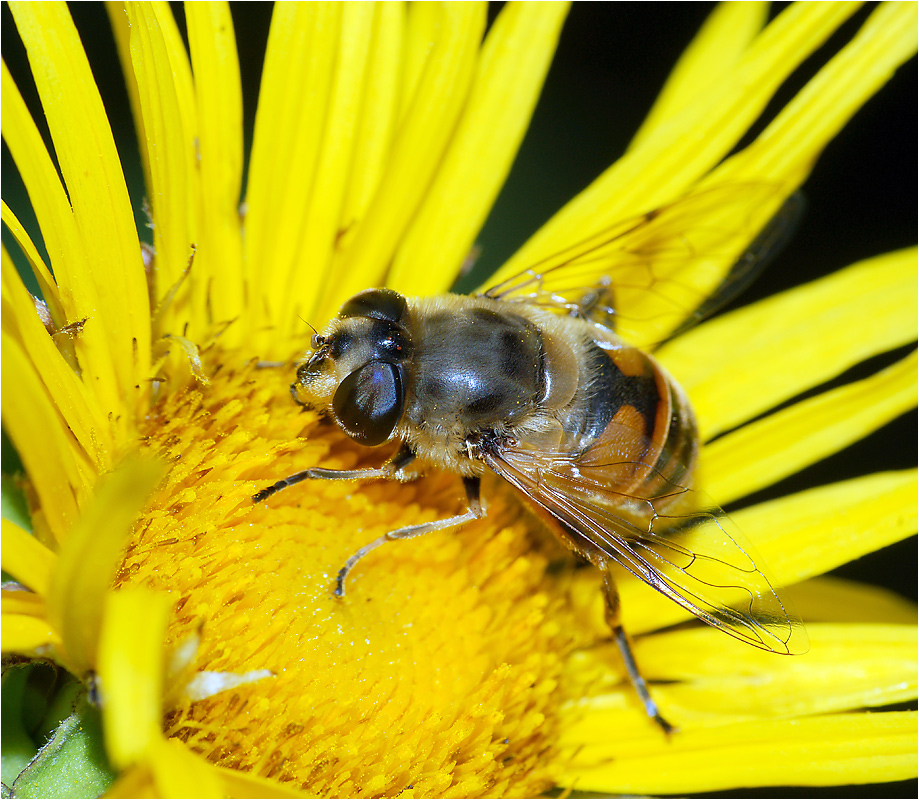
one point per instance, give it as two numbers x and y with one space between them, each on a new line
848 667
788 538
27 635
121 30
76 404
802 129
45 280
48 450
864 515
514 62
322 225
814 751
96 187
25 558
163 76
672 157
783 443
181 773
131 682
134 782
709 680
130 671
242 784
218 97
418 147
297 76
421 24
377 123
62 238
713 53
49 201
90 556
827 326
840 600
18 601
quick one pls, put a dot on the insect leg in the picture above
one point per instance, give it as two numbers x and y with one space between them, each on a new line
625 650
401 459
596 299
475 511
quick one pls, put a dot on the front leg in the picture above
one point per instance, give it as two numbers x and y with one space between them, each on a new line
403 457
475 511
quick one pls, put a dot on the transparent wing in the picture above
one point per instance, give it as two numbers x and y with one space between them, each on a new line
660 532
648 276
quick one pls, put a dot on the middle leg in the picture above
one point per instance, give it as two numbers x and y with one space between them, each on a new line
475 511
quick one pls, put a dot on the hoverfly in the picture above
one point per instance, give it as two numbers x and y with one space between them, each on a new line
532 380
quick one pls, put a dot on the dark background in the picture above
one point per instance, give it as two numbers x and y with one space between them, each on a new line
611 61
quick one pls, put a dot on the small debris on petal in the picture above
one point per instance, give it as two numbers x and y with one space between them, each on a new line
206 684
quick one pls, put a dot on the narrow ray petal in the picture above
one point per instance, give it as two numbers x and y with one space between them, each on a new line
121 30
421 24
763 452
76 404
839 600
134 782
815 751
289 124
27 635
513 65
163 75
713 53
848 667
130 670
242 784
181 773
802 129
46 283
141 781
89 558
63 240
864 514
417 150
827 326
218 98
676 155
48 451
95 185
385 87
26 558
323 224
709 680
24 603
789 537
46 193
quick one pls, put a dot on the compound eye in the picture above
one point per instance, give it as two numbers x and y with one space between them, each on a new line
377 304
369 402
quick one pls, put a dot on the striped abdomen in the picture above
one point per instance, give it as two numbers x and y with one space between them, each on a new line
634 420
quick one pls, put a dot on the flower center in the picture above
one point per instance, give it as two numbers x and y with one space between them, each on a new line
439 670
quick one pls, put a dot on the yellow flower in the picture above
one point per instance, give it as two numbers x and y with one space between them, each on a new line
459 665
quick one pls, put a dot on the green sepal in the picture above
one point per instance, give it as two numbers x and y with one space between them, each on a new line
17 746
72 763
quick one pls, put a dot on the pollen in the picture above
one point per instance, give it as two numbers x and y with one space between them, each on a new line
440 672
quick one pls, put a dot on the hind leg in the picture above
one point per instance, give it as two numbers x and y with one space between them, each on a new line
625 650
